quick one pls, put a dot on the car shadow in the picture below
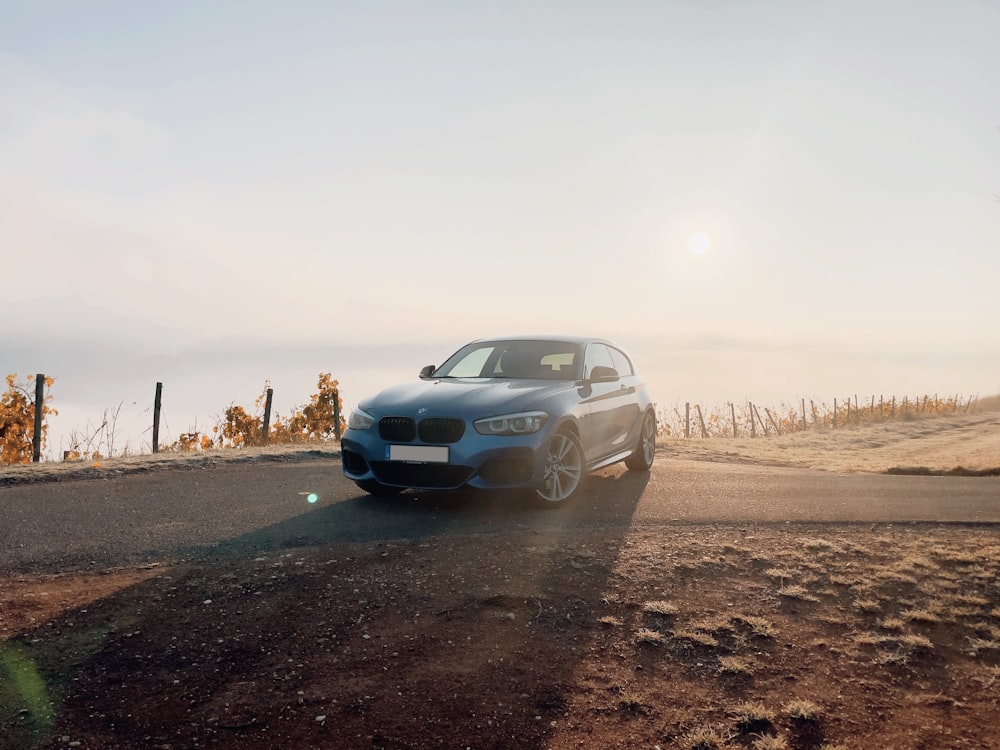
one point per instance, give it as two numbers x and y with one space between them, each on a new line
144 673
608 498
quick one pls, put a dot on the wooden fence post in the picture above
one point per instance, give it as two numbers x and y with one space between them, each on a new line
770 417
157 403
36 438
265 430
336 415
753 425
803 414
701 419
687 419
762 425
732 410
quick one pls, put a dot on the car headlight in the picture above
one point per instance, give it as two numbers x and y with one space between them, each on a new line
512 424
360 420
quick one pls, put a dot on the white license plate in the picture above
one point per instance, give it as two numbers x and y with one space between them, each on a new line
424 454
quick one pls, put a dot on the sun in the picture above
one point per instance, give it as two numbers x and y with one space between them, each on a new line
699 243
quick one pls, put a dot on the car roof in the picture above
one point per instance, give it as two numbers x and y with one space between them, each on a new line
580 340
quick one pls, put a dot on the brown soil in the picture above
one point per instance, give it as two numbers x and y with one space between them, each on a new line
675 637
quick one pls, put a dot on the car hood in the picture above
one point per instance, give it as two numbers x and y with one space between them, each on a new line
469 398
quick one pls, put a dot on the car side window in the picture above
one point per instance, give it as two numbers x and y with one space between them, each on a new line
598 355
622 363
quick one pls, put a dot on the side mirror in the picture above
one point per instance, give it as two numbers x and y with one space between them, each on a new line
426 372
603 374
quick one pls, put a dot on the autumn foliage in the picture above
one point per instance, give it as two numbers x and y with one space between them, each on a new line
237 427
17 420
317 420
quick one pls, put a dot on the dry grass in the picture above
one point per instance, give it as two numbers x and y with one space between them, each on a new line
969 441
885 602
704 738
662 608
696 638
652 637
802 710
752 716
736 666
758 626
795 591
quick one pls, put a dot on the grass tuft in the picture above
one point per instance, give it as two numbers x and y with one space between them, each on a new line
752 717
697 638
919 615
892 623
759 626
800 593
802 710
978 645
780 573
704 738
735 666
663 608
770 742
652 637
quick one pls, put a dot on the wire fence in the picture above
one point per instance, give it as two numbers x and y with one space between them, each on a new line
24 428
753 420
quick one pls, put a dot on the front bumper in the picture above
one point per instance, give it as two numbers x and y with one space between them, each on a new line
485 462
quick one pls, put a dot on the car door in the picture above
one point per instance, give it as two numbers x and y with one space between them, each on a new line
628 416
608 400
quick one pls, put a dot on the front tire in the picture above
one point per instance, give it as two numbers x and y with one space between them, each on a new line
564 470
645 450
377 488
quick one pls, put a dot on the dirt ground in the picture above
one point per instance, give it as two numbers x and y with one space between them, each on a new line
680 636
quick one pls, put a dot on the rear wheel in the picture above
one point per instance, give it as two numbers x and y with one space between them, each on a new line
645 450
564 470
377 488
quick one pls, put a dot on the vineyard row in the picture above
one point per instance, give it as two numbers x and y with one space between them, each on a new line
752 420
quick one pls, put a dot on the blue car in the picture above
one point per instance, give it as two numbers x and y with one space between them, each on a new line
533 413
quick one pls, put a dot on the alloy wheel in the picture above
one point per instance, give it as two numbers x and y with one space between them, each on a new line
563 469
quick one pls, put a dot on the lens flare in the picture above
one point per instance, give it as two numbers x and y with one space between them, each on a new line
312 498
20 672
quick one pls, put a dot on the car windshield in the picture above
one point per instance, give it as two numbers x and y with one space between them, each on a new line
531 359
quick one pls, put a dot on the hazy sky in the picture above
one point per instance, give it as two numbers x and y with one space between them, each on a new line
221 193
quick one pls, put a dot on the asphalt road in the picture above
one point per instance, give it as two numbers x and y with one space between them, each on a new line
249 508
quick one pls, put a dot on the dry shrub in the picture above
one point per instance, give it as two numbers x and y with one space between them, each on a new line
17 420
